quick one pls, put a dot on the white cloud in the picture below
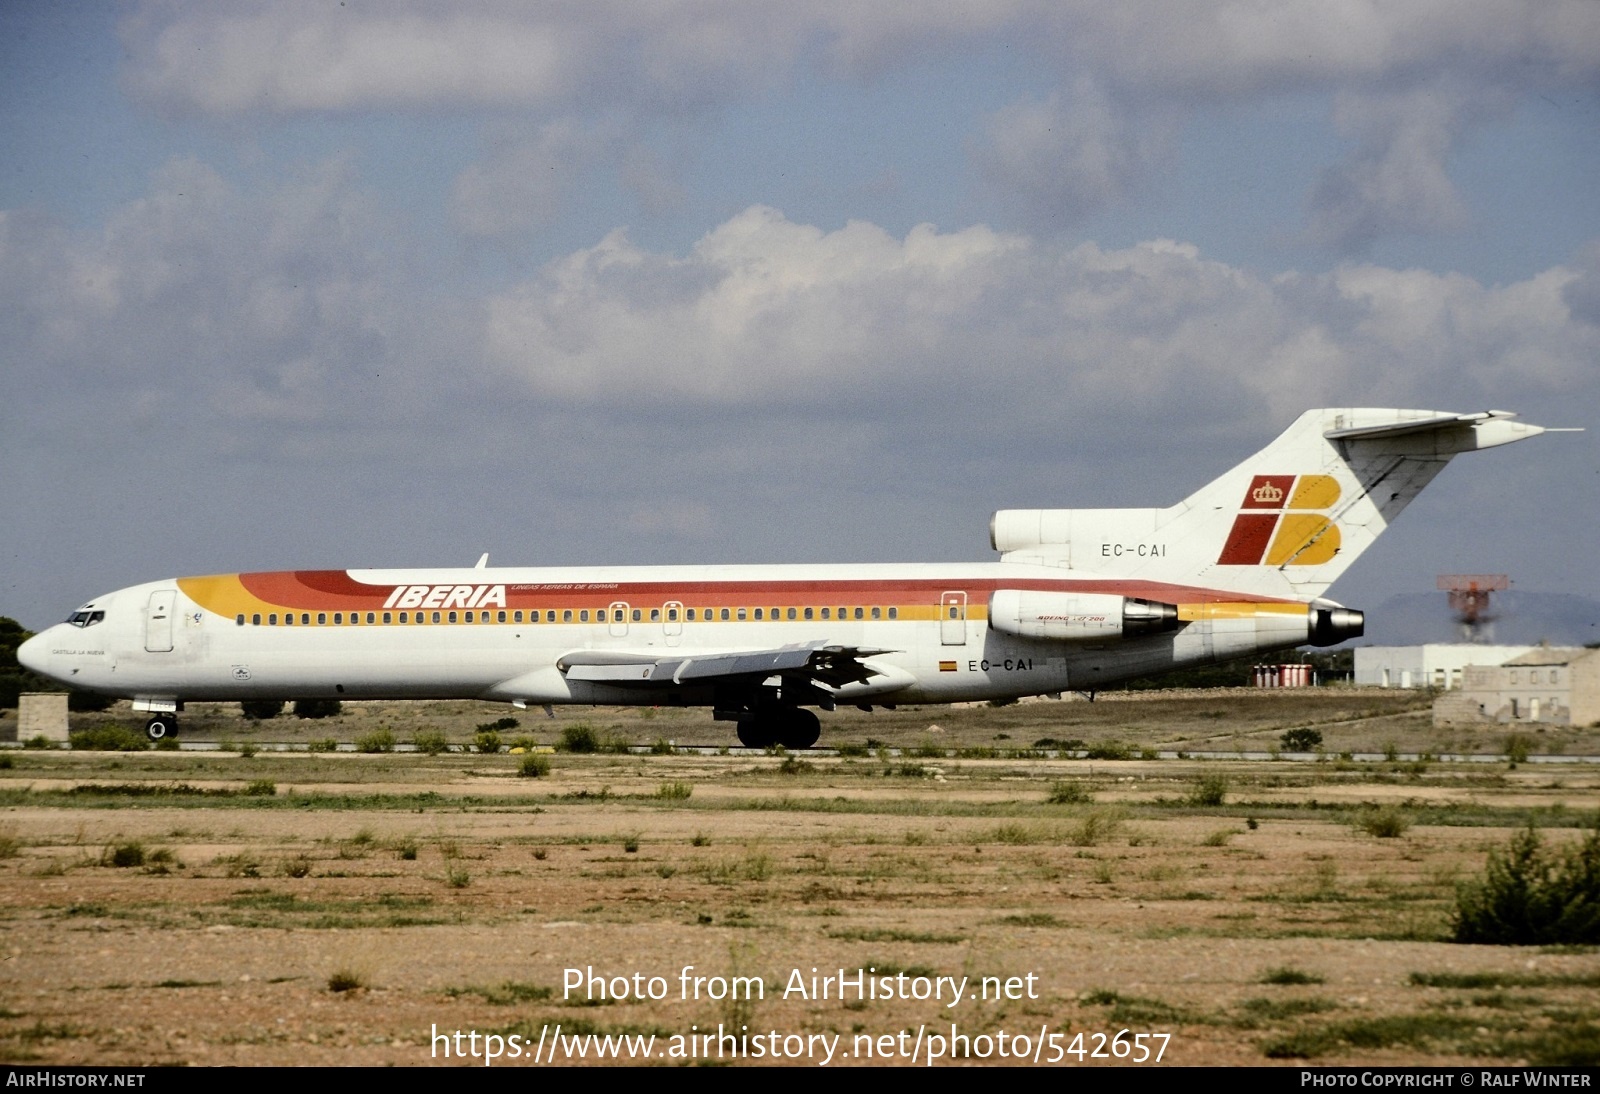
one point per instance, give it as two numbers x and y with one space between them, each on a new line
1067 155
1397 179
1125 74
296 55
767 312
523 180
214 307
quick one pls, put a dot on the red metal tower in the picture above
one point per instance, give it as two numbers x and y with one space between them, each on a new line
1469 599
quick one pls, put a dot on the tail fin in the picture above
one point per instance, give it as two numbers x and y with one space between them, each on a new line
1285 522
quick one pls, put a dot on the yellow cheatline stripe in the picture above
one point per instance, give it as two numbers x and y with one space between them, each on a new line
1246 609
225 595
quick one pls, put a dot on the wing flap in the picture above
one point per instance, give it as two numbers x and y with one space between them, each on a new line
829 665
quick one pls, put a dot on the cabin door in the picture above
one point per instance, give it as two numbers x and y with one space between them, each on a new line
953 619
619 620
158 621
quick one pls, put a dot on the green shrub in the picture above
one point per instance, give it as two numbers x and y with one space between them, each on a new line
535 765
378 740
674 791
662 747
430 741
37 741
261 710
1211 790
299 866
1098 825
1110 750
111 737
1069 793
1517 748
1304 739
486 741
261 788
498 724
1388 822
317 708
1288 974
346 979
1529 896
126 854
579 738
326 744
853 750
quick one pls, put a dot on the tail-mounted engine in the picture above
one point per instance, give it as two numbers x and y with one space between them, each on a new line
1078 617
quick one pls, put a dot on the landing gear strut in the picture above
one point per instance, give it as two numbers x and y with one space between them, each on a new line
790 727
161 726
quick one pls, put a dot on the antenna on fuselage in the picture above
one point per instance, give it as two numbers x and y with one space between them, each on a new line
483 560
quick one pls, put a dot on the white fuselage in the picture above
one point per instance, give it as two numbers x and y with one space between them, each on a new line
203 639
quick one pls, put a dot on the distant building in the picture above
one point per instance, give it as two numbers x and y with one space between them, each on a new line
1438 665
1551 685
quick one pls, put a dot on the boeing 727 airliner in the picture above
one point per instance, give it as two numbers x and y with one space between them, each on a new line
1079 599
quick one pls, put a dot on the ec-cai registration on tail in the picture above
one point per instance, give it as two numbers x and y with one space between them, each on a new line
1079 599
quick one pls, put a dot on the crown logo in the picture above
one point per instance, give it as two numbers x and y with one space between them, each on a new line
1267 493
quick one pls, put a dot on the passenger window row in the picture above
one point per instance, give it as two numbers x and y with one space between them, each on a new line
565 615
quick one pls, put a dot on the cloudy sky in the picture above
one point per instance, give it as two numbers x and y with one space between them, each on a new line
323 284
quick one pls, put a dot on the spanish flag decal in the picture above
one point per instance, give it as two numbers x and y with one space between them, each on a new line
947 666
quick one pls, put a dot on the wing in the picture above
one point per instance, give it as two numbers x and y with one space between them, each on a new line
825 667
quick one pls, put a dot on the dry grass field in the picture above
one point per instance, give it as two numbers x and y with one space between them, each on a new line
254 906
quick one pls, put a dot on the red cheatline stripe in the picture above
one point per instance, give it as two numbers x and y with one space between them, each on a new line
334 590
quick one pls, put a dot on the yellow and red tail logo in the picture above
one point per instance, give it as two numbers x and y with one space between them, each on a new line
1280 523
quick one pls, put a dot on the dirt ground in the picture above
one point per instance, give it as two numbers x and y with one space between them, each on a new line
346 908
1356 720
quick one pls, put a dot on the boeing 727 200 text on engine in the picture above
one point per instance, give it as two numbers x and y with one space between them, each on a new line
1079 599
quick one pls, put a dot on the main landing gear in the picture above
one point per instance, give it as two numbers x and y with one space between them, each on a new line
790 727
161 726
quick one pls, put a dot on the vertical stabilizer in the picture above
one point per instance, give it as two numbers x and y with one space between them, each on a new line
1285 522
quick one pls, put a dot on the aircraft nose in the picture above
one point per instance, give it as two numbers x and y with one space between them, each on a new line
34 654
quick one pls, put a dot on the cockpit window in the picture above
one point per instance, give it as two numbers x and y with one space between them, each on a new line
85 618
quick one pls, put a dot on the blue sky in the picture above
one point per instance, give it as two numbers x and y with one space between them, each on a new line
305 285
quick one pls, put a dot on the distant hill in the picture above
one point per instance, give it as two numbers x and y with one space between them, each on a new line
1521 618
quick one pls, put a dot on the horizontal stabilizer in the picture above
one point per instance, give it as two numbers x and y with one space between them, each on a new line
1443 421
